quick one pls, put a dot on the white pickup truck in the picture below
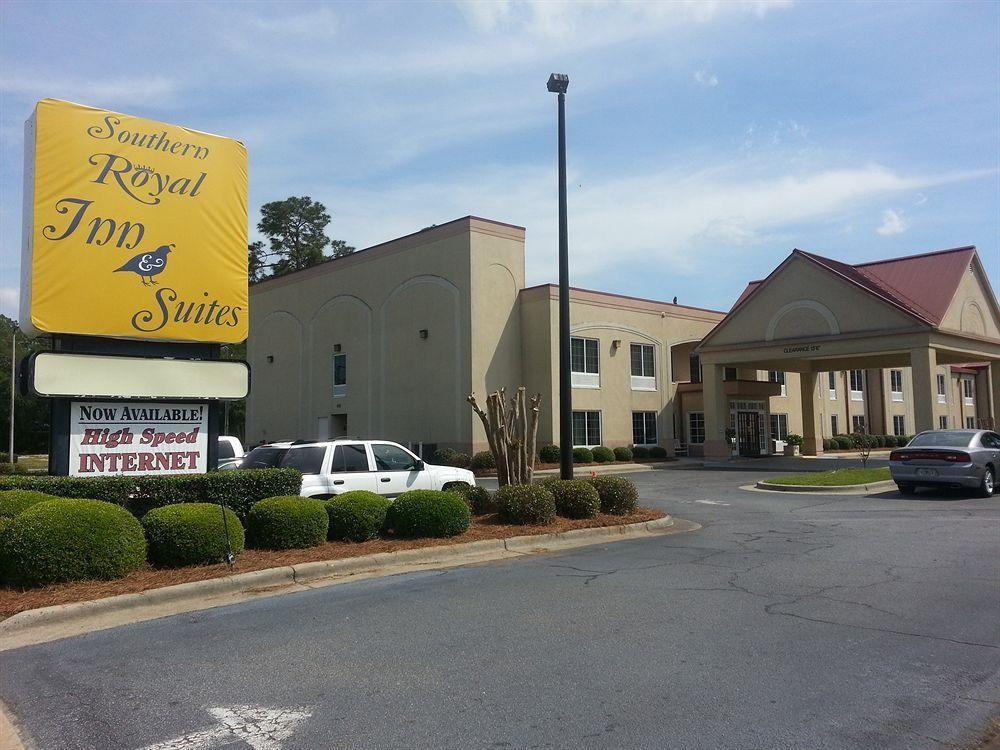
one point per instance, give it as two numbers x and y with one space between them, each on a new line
332 467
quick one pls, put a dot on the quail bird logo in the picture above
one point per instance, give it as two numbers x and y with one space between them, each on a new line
147 265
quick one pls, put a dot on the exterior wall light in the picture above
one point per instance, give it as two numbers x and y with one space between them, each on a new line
336 347
616 343
270 358
423 333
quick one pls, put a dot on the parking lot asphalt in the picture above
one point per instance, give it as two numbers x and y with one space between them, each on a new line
787 621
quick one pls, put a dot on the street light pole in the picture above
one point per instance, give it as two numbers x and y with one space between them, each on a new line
558 84
13 386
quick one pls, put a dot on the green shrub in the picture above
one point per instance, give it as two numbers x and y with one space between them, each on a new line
549 454
903 440
828 444
238 489
429 513
793 439
72 540
623 454
583 456
13 502
619 496
657 451
449 457
602 454
479 499
191 534
483 461
356 516
526 504
575 498
640 451
879 441
843 442
288 522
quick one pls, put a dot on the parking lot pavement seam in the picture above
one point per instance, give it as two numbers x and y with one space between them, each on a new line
66 620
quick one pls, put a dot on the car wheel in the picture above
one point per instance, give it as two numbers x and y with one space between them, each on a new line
986 487
906 489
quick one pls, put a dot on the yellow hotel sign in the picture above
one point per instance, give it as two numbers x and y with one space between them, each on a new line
133 228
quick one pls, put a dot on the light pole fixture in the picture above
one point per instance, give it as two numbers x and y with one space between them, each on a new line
557 84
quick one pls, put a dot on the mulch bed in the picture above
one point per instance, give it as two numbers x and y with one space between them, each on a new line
541 466
13 601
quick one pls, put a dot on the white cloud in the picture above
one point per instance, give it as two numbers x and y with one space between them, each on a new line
9 300
892 223
110 92
705 78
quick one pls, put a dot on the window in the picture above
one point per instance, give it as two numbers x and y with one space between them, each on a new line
644 428
832 385
696 427
968 391
834 425
695 362
970 423
779 426
349 458
857 385
583 358
778 377
339 375
643 370
393 458
308 460
942 392
898 424
858 423
896 386
942 421
729 374
586 428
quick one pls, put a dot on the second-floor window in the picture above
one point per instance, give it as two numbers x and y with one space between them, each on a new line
584 363
968 391
776 376
857 385
896 386
339 375
832 385
643 367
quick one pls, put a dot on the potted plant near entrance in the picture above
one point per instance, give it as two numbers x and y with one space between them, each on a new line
731 439
792 445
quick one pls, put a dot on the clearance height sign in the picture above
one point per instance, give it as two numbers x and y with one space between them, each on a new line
137 438
134 228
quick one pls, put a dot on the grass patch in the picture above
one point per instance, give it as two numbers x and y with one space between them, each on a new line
837 478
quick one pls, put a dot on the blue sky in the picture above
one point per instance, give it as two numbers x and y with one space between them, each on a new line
706 140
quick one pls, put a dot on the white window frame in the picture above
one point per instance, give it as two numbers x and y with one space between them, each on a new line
968 391
778 419
942 389
834 425
644 381
774 375
646 441
857 394
832 385
586 427
970 423
896 378
943 422
898 425
690 431
585 378
859 423
339 389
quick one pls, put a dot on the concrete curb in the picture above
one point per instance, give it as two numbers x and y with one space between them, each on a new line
63 620
839 489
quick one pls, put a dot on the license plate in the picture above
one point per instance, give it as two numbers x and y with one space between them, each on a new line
926 472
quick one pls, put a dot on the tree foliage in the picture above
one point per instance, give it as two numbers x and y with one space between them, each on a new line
257 265
295 229
31 414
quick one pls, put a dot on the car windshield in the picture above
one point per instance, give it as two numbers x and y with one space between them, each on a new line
264 457
308 460
943 439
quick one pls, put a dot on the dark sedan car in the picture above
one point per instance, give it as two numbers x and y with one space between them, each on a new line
948 458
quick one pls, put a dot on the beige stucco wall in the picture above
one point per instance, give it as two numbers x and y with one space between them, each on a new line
971 310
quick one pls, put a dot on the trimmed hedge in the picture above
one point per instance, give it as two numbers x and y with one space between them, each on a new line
288 522
575 498
483 461
583 456
191 534
239 489
449 457
640 452
657 451
479 499
526 504
623 454
549 454
619 496
71 540
890 441
13 502
843 442
429 513
356 516
602 454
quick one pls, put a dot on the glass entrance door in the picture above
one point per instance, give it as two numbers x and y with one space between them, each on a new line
748 425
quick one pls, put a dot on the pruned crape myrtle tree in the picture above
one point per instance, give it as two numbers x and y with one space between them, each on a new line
512 431
863 444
